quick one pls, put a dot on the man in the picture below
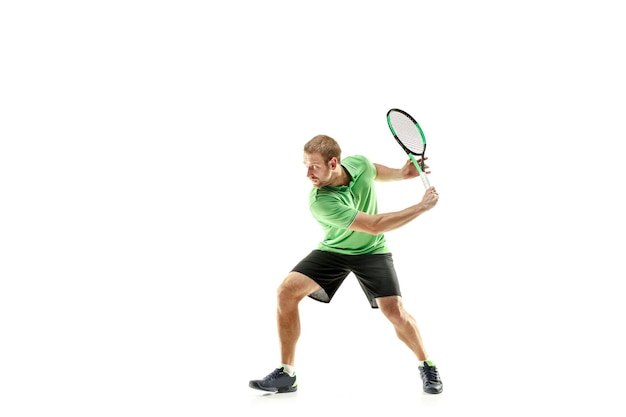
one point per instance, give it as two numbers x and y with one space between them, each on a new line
343 201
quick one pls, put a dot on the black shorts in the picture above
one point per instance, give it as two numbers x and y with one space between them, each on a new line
376 274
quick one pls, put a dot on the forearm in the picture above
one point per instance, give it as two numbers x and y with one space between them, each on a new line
385 222
384 173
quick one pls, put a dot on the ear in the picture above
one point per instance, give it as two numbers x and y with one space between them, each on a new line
333 162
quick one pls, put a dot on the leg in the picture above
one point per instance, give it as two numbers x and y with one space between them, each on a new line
297 285
403 323
291 291
407 331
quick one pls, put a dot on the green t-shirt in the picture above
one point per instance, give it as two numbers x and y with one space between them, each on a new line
336 207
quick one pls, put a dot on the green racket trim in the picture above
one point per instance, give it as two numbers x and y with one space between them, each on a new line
423 175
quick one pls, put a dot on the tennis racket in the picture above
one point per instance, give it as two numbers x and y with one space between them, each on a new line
410 136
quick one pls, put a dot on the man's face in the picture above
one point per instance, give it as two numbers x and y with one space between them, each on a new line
318 171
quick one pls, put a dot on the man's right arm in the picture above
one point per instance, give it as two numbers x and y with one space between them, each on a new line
376 224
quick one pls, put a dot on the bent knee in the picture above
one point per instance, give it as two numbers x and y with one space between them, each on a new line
392 308
295 287
395 315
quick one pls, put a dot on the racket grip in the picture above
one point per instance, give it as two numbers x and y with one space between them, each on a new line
422 173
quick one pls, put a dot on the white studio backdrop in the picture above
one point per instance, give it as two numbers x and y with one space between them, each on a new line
153 195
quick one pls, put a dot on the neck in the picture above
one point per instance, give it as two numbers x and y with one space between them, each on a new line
342 178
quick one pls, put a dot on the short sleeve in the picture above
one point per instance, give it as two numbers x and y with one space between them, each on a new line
333 212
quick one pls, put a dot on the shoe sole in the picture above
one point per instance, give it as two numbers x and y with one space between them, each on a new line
433 391
278 390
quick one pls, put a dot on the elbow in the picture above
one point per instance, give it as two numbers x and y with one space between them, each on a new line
373 228
367 224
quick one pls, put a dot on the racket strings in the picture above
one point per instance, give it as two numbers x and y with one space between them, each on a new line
407 132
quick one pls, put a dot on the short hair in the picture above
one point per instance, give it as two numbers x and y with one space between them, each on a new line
325 146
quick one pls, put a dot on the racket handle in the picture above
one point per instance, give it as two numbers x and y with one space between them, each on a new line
422 173
425 180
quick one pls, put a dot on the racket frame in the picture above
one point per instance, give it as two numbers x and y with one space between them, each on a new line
420 166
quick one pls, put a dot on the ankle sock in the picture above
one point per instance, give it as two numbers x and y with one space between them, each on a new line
288 369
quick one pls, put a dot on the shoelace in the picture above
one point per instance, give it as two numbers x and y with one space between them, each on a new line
431 373
276 373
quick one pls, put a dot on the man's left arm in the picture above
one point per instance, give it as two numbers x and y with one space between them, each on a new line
384 173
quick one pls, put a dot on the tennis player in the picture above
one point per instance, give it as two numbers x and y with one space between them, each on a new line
343 201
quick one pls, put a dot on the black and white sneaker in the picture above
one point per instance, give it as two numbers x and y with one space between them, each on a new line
430 378
277 381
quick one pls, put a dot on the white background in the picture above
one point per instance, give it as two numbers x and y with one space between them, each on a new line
153 196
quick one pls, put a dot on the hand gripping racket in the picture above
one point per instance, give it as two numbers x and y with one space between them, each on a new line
409 135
